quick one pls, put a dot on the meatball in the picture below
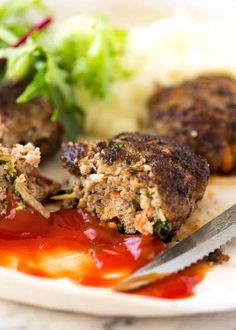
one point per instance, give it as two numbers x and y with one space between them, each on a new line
20 182
28 122
138 182
202 114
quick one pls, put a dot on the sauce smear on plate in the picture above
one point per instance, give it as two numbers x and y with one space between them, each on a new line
71 244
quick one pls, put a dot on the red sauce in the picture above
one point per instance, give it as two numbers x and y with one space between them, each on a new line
177 286
71 244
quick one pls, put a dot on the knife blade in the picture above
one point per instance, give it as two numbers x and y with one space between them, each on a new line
207 239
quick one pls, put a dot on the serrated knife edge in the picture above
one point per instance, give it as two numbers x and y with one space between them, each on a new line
207 239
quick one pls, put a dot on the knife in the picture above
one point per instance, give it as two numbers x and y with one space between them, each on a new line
207 239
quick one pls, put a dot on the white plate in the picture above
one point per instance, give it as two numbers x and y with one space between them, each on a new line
216 293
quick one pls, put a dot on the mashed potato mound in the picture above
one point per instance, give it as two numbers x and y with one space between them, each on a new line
164 53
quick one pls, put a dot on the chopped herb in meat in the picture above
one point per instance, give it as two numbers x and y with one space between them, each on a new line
107 186
162 229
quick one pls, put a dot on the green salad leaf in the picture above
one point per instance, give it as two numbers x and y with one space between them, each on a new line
9 9
91 49
38 66
86 57
15 19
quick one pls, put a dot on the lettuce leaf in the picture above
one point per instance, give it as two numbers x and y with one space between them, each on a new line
10 9
32 63
91 50
15 19
87 56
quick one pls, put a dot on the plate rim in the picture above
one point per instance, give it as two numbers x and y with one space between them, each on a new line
43 293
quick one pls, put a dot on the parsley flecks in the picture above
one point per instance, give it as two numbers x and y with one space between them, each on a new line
11 172
150 194
20 206
162 229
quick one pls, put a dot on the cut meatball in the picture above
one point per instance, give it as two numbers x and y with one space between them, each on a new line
28 122
20 182
138 182
202 114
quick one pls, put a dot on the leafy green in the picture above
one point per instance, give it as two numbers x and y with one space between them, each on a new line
15 19
19 61
150 194
11 172
33 63
85 59
9 9
162 229
20 206
7 36
91 50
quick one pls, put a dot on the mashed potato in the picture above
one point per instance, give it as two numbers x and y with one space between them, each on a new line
167 52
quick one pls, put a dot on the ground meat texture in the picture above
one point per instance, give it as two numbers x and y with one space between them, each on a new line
202 114
28 122
139 182
20 180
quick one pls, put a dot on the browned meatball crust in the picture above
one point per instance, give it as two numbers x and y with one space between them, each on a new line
139 182
201 113
28 122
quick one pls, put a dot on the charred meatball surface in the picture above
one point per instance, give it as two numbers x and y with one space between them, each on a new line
201 113
139 182
28 122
